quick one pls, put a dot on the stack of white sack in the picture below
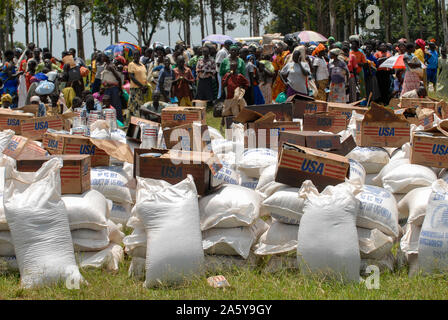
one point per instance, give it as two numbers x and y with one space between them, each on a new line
278 245
378 228
399 176
170 218
96 239
230 225
373 159
424 243
39 226
327 238
117 184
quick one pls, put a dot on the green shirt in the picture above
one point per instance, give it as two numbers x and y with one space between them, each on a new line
41 67
225 67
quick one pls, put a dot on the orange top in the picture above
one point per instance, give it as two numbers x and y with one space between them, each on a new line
360 59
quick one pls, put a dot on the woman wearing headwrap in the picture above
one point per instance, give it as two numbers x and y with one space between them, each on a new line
413 70
339 75
266 75
361 61
296 73
278 64
252 71
320 71
420 54
225 64
206 70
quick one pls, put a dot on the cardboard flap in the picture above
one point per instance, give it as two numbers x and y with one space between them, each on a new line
299 96
314 152
267 118
116 149
442 128
68 115
379 113
247 115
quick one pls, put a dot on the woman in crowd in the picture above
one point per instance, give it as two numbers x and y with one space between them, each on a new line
138 85
278 62
206 71
339 75
112 83
296 73
183 79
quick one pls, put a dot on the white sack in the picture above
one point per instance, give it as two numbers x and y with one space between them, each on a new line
373 244
357 171
414 204
120 212
90 240
254 161
108 258
112 182
373 159
278 239
407 177
285 205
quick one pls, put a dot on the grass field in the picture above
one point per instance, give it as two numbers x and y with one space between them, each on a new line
245 284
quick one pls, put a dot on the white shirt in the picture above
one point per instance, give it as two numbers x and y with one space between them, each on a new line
296 78
322 69
221 55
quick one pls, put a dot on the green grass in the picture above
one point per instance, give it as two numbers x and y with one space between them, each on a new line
245 284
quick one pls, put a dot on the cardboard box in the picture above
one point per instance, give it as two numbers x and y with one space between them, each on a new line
11 120
282 111
345 109
36 127
439 106
70 144
75 173
266 134
430 147
381 127
324 121
199 103
418 116
134 131
174 167
177 116
23 147
298 164
311 139
189 137
304 105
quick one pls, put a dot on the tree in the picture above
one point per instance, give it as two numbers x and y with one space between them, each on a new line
444 23
405 18
147 13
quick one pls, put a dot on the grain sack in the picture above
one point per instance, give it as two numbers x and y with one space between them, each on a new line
108 258
378 209
114 232
135 243
402 153
433 244
89 210
407 177
378 179
285 205
229 207
6 245
413 205
248 182
280 238
3 223
226 175
369 179
373 159
90 240
39 225
222 146
232 241
174 240
327 237
112 182
266 184
254 161
357 171
373 244
409 241
120 212
214 133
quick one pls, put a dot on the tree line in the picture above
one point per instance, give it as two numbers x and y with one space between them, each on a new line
399 18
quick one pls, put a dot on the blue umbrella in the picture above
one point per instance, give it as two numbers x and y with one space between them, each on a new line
218 38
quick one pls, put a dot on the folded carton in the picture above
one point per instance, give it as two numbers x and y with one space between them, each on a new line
134 131
430 147
282 111
177 116
298 164
10 119
189 137
35 128
439 106
381 127
325 122
345 109
75 172
311 139
302 104
174 166
418 116
23 147
266 134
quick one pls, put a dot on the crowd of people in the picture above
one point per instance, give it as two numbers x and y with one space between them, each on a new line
156 76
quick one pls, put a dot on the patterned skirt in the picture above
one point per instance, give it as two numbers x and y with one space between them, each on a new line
337 93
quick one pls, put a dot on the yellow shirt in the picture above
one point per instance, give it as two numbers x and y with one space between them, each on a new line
420 55
139 71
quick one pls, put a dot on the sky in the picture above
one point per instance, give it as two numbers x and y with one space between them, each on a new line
161 34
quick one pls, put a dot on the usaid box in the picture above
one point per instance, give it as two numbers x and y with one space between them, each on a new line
189 137
430 147
266 134
134 131
419 116
23 147
298 164
174 166
177 116
381 127
324 121
439 106
311 139
282 111
11 120
302 104
345 109
75 172
56 143
36 127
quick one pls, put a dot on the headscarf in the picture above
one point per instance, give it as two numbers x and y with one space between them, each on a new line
121 59
319 49
302 50
432 40
421 43
338 44
234 46
6 97
331 38
403 40
336 51
354 37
